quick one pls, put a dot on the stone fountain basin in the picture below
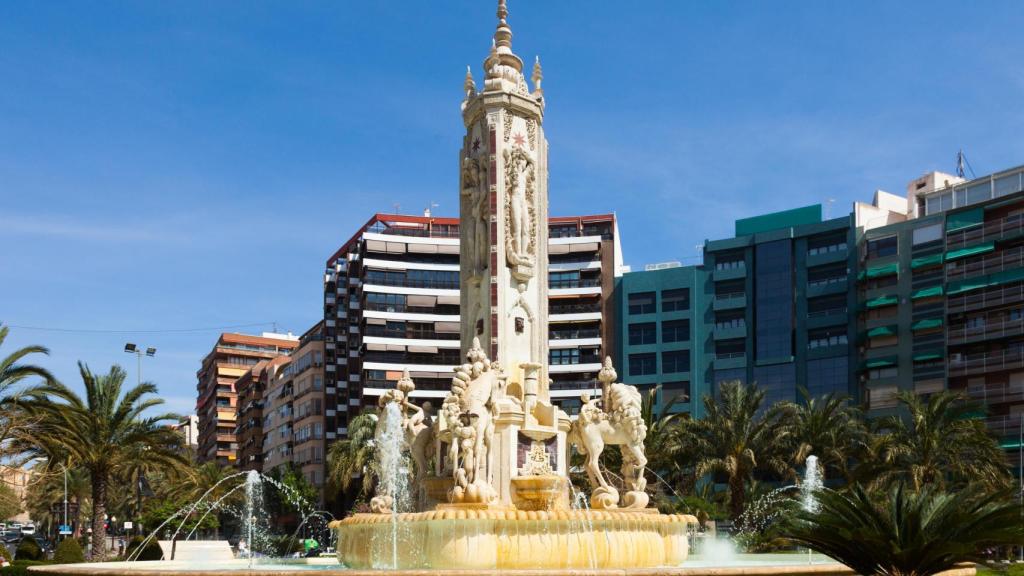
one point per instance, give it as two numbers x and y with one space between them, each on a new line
741 565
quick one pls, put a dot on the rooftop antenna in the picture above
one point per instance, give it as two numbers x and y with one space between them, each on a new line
963 165
397 207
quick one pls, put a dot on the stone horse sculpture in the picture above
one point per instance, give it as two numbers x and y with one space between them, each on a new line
619 423
469 414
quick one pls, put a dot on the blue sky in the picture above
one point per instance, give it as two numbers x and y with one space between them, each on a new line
173 165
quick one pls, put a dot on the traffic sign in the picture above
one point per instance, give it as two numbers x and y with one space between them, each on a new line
65 530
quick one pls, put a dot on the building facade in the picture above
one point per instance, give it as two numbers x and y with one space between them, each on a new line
188 429
392 301
922 293
216 408
294 417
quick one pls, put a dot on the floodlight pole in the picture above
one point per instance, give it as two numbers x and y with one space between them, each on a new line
65 493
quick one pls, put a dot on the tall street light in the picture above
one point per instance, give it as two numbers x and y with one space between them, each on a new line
131 348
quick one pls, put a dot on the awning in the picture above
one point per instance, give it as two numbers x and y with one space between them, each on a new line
882 331
928 356
926 324
879 362
928 292
883 270
1006 276
445 299
447 327
923 261
421 300
967 285
888 300
964 219
970 251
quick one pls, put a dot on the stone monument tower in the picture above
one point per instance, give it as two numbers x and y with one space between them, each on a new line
504 267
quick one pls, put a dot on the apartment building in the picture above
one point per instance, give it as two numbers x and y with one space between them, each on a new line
217 404
391 302
251 388
919 292
294 414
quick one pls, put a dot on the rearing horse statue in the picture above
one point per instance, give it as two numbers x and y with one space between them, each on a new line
619 423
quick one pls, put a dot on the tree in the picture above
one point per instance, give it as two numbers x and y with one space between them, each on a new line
941 439
735 439
907 533
828 427
351 459
100 432
10 504
12 373
295 496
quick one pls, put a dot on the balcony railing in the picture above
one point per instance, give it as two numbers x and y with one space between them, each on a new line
996 393
386 307
1004 260
987 331
574 334
996 296
1004 426
380 228
828 312
993 230
984 362
414 282
730 295
727 355
574 308
381 331
575 283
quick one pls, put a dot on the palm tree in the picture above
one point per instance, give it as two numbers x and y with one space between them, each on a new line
736 439
941 439
351 458
99 433
828 427
908 533
12 373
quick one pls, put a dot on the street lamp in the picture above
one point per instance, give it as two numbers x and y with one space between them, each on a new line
131 348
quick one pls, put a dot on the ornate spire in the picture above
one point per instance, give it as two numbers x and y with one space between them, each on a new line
503 39
469 86
537 77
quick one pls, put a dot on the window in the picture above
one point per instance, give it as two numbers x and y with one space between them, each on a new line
730 348
728 319
828 376
677 391
828 274
675 300
641 303
825 305
883 282
826 337
883 341
643 364
886 372
675 361
385 302
882 247
826 244
940 203
773 306
645 333
564 279
675 331
564 356
882 397
729 260
730 289
929 233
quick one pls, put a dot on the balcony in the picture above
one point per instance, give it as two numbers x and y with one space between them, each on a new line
985 362
1000 229
574 283
433 283
981 299
986 331
377 330
728 331
574 308
730 270
731 300
445 232
724 360
995 393
1004 426
573 334
1004 260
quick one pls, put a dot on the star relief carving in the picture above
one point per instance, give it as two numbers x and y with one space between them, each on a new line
476 145
519 139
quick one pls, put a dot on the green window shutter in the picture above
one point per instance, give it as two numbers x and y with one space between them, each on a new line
884 270
1006 276
929 292
923 261
967 285
879 362
888 300
970 251
965 219
927 356
926 324
882 331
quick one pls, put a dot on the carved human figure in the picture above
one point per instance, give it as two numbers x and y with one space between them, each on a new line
474 188
473 387
519 180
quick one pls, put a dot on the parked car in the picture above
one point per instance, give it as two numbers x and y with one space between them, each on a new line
28 529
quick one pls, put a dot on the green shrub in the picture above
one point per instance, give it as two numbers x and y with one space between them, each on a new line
5 553
68 552
28 549
152 550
